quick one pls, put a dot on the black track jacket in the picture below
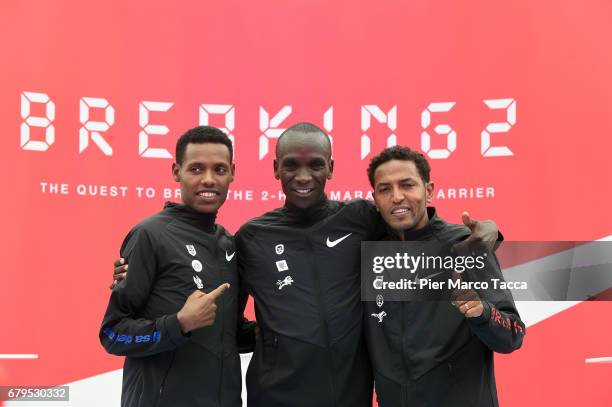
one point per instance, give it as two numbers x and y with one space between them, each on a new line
428 354
303 269
170 255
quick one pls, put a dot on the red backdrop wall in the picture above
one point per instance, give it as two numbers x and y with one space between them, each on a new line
510 100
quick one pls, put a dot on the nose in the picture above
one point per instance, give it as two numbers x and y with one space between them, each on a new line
397 197
303 176
208 179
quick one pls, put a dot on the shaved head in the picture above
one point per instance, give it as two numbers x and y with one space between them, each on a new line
301 134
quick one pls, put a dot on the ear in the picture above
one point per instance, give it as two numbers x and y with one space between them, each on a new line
176 172
374 197
429 190
276 172
331 169
232 172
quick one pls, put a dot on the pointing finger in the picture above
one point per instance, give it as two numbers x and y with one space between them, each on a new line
216 293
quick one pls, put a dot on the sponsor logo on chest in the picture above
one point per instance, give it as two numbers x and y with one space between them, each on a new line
191 249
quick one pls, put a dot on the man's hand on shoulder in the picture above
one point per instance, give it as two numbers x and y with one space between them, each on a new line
119 272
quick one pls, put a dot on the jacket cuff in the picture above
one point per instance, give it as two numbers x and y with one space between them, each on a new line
484 317
173 329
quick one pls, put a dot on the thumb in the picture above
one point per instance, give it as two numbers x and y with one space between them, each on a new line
467 221
216 293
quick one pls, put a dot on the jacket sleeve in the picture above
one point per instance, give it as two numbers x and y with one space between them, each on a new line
123 331
499 326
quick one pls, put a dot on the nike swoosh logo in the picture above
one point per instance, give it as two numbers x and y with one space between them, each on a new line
428 277
331 243
229 257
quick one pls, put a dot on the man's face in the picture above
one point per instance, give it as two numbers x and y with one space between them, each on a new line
303 165
204 176
401 195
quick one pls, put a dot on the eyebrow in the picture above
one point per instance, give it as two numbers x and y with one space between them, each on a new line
288 160
293 160
400 181
215 164
317 160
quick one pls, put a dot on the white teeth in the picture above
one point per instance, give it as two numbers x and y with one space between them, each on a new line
303 191
399 211
207 194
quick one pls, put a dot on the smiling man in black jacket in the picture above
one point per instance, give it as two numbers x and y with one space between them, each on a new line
301 263
432 353
174 316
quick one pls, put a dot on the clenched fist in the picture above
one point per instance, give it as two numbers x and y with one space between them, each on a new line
467 301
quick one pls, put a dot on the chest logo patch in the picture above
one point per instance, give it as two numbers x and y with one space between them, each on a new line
229 257
380 316
279 249
198 282
191 249
285 282
282 265
197 265
332 243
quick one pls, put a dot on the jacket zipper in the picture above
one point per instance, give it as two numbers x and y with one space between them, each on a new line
222 314
404 385
163 382
323 312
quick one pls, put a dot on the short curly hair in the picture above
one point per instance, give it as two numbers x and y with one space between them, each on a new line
201 135
399 153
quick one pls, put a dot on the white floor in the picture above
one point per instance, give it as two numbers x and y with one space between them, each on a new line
103 391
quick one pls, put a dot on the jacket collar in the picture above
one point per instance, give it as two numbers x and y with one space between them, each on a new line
434 224
204 221
310 215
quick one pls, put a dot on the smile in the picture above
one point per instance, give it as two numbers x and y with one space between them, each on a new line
400 211
303 191
208 194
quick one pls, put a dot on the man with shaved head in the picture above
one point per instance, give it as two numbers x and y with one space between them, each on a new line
301 263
